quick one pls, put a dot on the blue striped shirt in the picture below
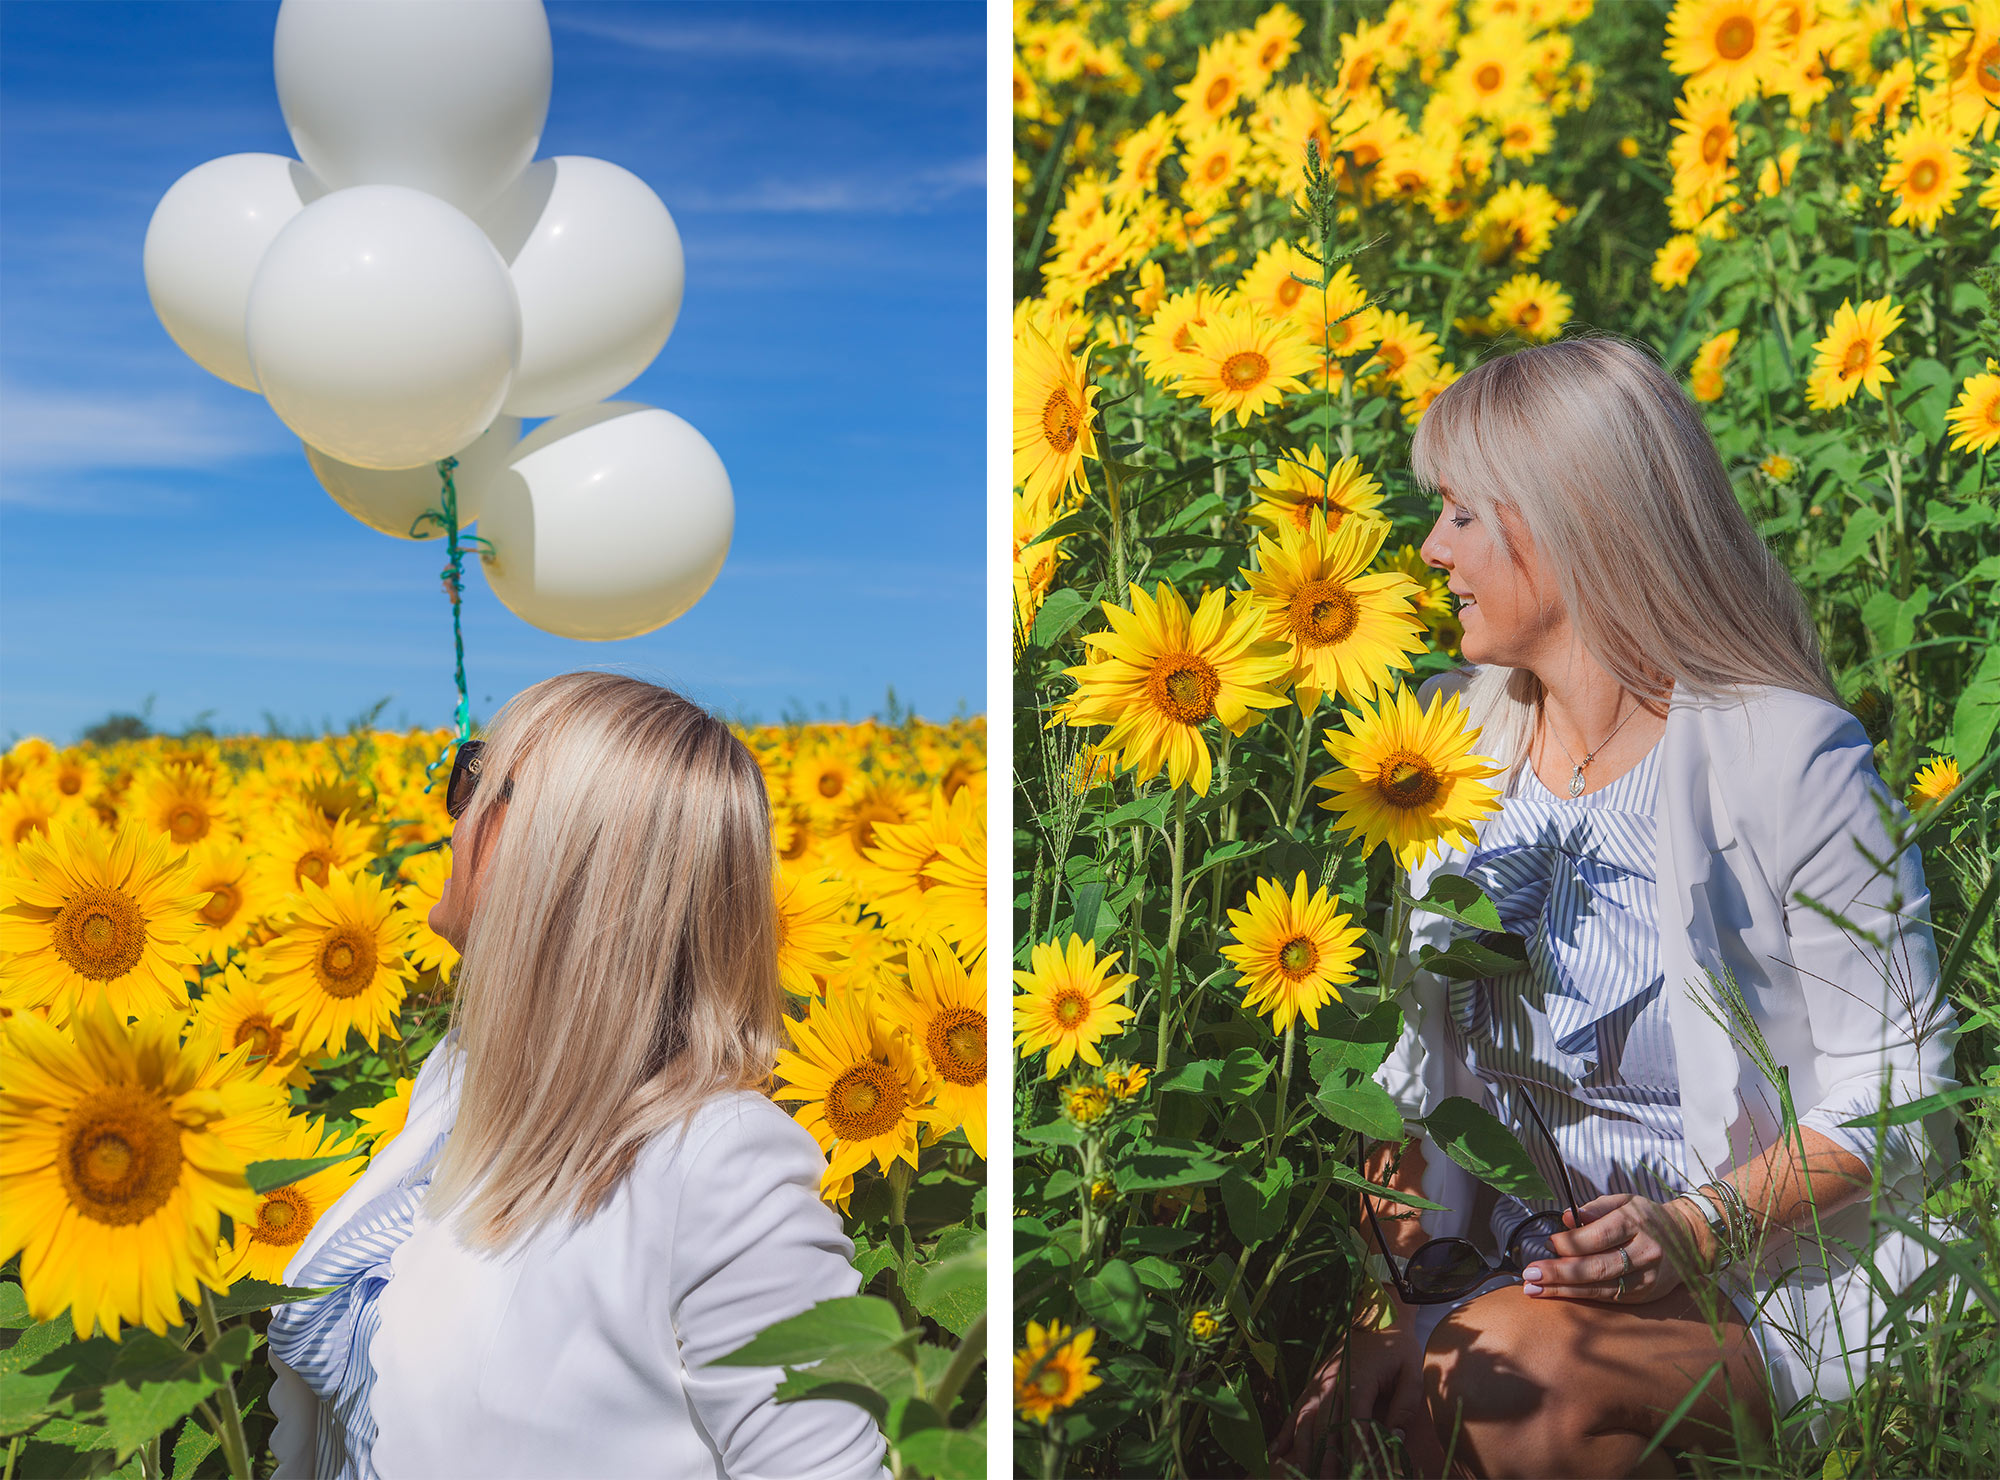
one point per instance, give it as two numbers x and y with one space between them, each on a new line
1584 1029
326 1339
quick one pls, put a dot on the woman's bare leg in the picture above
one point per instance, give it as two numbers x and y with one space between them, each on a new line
1522 1386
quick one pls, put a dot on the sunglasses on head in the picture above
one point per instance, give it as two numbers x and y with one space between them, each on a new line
1446 1268
464 781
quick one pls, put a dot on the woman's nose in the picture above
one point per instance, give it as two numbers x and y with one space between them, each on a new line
1436 550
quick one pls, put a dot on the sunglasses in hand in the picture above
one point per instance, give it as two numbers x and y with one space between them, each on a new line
1444 1269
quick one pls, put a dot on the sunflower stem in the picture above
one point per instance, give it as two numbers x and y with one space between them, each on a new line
1299 754
1174 911
234 1447
1284 1090
971 1349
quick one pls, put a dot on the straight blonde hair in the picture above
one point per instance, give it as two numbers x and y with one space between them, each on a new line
621 965
1608 467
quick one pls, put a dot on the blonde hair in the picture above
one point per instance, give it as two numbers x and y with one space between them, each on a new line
1608 467
621 965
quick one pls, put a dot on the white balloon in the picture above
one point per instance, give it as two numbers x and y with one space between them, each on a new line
608 522
597 263
391 500
444 96
207 235
383 327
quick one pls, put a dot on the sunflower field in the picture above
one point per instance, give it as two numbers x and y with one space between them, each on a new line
1253 242
218 983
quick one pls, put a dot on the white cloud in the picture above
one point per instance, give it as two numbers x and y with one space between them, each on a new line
788 44
914 193
63 431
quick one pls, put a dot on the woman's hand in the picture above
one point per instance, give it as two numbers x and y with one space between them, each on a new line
1388 1388
1658 1240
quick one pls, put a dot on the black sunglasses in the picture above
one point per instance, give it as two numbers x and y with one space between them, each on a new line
1445 1268
465 779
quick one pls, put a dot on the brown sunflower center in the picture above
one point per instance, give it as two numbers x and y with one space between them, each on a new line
1297 957
1289 291
1407 780
187 823
1217 94
1244 369
1489 77
1215 167
1322 612
1053 1382
1061 418
222 905
829 784
957 1041
1735 37
315 865
69 783
1528 314
1183 687
345 964
1987 73
1856 358
865 1101
1924 178
284 1218
100 934
1714 140
266 1038
1393 357
1069 1007
119 1154
924 881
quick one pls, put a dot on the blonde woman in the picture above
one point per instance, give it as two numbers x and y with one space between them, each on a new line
591 1199
1679 782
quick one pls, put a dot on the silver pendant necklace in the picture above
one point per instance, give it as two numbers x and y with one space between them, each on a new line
1576 766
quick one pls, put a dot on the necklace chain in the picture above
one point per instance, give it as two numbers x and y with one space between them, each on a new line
1576 766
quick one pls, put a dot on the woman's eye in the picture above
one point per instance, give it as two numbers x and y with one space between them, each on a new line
1460 521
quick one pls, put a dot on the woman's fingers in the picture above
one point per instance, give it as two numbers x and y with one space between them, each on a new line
1587 1269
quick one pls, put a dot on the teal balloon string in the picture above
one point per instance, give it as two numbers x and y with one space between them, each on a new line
445 519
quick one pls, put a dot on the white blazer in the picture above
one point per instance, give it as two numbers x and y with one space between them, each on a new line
1763 794
584 1351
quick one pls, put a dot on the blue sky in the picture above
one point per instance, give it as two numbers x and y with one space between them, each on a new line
161 534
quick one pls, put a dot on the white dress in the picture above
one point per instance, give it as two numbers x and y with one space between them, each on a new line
586 1349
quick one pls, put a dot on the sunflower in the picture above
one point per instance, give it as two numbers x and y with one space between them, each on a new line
238 1011
1975 420
810 930
179 802
1853 356
30 810
1053 405
383 1121
1053 1370
1272 285
220 866
954 883
1139 155
331 797
1243 362
121 1151
1703 153
337 963
75 774
1533 307
884 801
304 850
1935 781
1705 373
1069 1003
1346 631
1166 343
1405 351
944 1012
91 909
825 779
1408 776
262 1245
1162 672
1419 392
1298 489
1220 74
1490 77
424 876
1526 132
1675 261
862 1090
1292 952
1925 174
1035 562
1340 320
1725 45
1290 118
1212 161
1517 220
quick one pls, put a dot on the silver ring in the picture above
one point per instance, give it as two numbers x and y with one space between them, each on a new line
1625 1254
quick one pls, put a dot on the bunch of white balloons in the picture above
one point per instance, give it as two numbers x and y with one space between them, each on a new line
416 282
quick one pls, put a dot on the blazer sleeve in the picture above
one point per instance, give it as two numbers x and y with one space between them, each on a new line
1878 1019
752 1244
